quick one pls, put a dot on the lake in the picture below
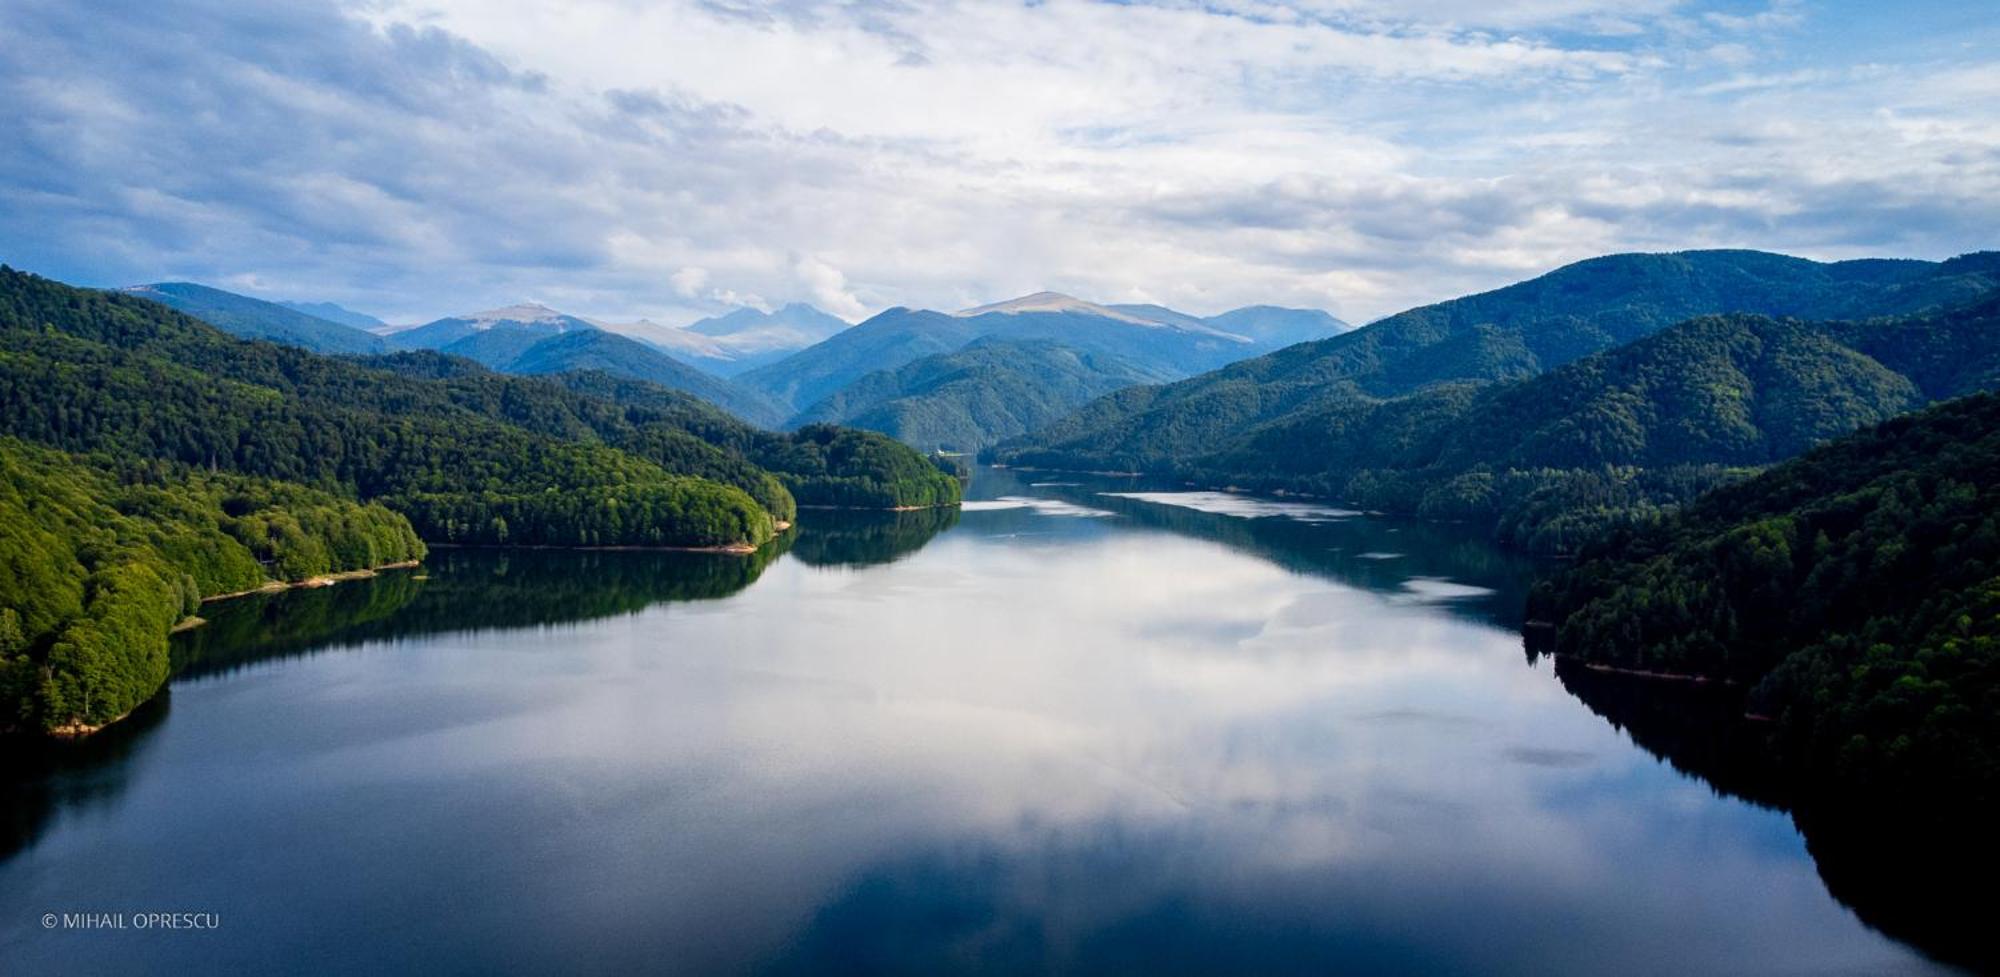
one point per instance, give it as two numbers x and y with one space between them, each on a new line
1062 731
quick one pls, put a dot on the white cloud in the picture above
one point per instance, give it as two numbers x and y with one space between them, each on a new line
661 159
828 288
689 281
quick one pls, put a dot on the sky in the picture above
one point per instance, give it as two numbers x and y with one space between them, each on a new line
626 159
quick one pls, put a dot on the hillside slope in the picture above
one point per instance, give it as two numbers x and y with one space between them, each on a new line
592 349
900 336
247 318
977 395
97 566
1514 332
1549 459
1856 590
468 455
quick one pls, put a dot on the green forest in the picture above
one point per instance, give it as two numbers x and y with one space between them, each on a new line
469 455
98 563
1855 591
1551 459
1605 390
985 392
151 461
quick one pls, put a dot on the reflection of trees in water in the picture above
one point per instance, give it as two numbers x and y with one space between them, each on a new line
456 590
462 590
853 538
1913 873
39 777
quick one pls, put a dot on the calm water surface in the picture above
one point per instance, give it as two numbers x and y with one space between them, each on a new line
1062 731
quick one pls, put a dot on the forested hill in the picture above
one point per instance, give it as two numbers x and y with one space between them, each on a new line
977 395
899 336
1856 590
468 455
1552 458
1510 333
97 566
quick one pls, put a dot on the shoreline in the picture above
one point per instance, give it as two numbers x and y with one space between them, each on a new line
318 580
78 731
1649 674
871 508
731 549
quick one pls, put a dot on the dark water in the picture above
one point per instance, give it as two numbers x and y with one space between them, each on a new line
1078 734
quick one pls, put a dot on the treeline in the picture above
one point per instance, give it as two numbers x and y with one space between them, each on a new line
465 452
1855 591
97 566
820 465
1551 460
1498 336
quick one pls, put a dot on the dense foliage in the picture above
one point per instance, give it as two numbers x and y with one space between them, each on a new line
1507 334
1856 590
96 568
819 465
978 395
471 456
1550 459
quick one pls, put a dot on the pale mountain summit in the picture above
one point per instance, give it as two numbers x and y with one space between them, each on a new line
525 314
1055 302
740 339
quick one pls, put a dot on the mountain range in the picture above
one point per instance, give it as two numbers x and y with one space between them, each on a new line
533 340
738 340
986 391
248 318
1144 340
1450 410
909 373
339 314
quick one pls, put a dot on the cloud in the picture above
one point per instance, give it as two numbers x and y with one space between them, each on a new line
688 281
664 159
828 288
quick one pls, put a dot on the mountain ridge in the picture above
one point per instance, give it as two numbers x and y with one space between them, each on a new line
251 318
1504 334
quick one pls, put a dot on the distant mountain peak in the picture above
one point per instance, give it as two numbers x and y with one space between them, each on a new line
529 312
1054 302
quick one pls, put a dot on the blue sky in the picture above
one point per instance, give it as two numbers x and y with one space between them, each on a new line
414 158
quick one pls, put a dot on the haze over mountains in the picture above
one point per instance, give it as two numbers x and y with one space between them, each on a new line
1115 343
339 314
739 340
914 374
248 318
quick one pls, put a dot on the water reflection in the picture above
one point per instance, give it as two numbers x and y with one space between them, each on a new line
1907 872
462 590
456 591
860 539
1161 740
